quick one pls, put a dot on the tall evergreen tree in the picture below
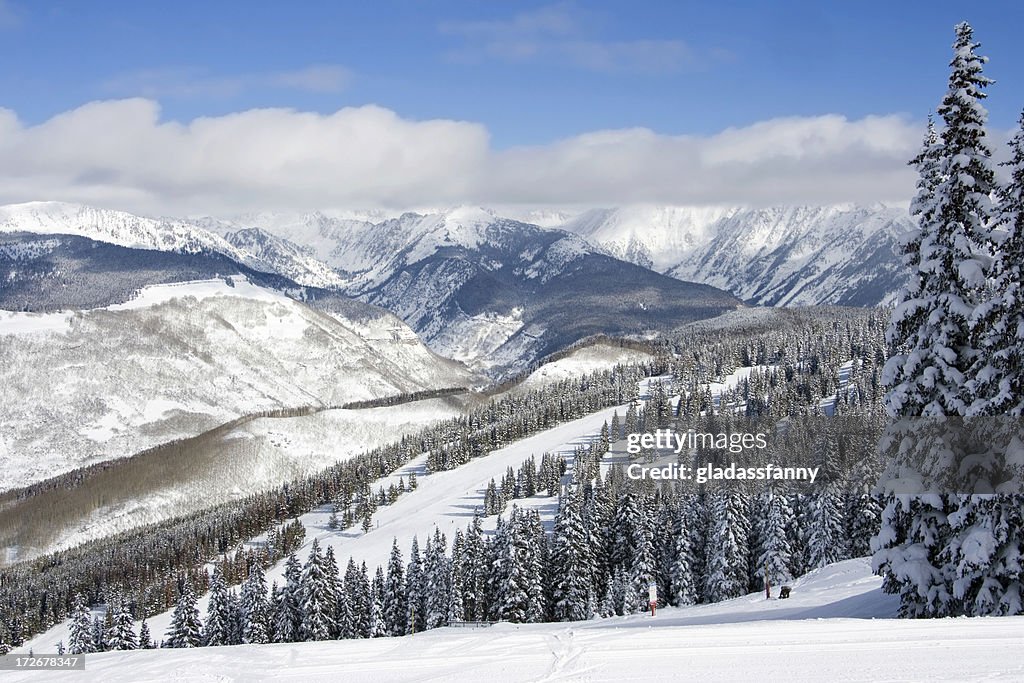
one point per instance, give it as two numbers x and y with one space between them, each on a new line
335 591
395 607
934 337
378 627
289 616
437 580
145 637
254 607
357 595
80 641
825 538
775 554
727 550
415 591
216 630
684 584
934 349
318 600
99 634
572 568
185 628
122 632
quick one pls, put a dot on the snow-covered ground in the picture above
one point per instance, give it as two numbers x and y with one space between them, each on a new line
836 626
177 360
581 362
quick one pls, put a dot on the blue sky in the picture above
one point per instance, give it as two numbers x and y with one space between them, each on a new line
526 73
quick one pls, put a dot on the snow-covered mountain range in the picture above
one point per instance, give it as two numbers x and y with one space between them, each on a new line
840 255
499 293
495 293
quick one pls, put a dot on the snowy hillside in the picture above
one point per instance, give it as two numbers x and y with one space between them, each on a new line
221 466
581 362
836 626
181 359
841 255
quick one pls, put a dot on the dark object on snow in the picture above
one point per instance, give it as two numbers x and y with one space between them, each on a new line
784 592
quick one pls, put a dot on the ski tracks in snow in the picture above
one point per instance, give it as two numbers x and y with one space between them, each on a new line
566 651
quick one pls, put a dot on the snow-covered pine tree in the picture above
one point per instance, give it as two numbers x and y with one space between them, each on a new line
989 530
318 600
436 577
934 347
683 576
613 602
289 616
456 606
727 545
80 641
825 540
358 598
863 515
122 631
415 591
505 578
218 618
378 627
774 552
99 634
145 637
598 513
185 628
477 569
334 588
395 605
234 618
642 569
572 568
536 545
254 607
624 532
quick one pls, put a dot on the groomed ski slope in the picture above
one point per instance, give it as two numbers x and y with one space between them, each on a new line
824 632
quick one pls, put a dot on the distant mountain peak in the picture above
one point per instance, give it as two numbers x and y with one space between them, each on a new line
779 255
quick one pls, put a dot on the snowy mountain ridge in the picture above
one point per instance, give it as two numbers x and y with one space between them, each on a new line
778 256
256 249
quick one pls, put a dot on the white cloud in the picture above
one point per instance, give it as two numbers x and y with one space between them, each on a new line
122 155
564 34
190 82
